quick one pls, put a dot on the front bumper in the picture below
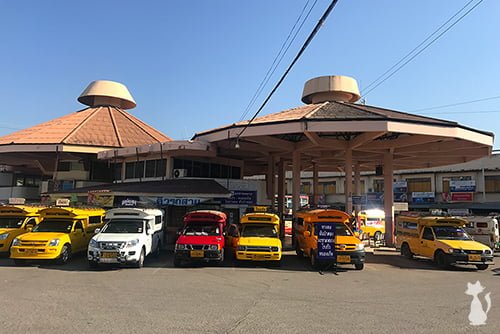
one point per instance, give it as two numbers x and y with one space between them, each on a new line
34 253
205 256
350 257
465 259
258 256
118 256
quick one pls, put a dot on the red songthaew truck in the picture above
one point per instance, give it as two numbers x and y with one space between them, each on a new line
201 238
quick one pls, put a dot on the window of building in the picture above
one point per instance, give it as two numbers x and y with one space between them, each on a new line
306 188
327 188
492 183
26 180
196 168
422 184
378 185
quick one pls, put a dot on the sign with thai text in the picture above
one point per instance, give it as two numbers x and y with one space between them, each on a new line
326 241
463 186
241 197
179 201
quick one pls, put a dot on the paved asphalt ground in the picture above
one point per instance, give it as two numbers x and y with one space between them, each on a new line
391 295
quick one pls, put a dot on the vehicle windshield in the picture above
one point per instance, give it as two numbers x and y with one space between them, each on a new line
340 230
258 230
450 233
202 228
123 226
54 225
11 222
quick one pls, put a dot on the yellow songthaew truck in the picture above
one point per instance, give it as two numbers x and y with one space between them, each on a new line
62 232
257 238
14 221
441 239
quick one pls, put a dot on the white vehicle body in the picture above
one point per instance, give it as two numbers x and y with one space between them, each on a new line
130 234
484 229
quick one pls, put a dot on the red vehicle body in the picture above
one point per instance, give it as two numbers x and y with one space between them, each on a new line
202 237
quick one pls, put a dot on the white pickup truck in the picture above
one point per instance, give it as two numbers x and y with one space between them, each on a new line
130 234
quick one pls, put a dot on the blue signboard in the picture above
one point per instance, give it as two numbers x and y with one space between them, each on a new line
241 197
358 200
326 241
462 186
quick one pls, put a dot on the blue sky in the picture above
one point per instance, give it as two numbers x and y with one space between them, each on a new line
195 65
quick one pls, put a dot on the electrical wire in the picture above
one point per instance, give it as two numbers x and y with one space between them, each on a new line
425 47
281 53
457 104
301 51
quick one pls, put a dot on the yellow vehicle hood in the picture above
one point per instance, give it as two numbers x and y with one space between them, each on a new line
259 241
36 236
7 230
464 244
346 239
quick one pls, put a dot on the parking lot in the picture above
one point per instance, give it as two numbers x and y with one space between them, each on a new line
392 294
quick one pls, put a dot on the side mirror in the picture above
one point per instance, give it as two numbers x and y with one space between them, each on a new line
28 227
97 230
307 234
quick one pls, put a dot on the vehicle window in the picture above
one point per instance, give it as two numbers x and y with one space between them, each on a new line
11 222
340 230
450 233
123 226
95 220
258 230
158 220
427 235
201 228
78 226
54 225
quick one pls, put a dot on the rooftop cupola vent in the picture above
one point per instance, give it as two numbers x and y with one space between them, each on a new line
331 88
107 93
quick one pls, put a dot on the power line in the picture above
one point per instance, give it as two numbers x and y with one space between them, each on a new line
276 62
425 47
464 112
457 104
304 46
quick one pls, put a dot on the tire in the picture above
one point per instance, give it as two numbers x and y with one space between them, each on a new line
406 252
140 262
377 236
177 262
93 264
440 259
19 262
65 255
481 266
359 266
221 261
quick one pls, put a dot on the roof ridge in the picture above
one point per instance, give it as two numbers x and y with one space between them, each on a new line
115 127
319 106
79 126
135 121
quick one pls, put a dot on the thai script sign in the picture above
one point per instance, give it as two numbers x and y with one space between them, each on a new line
462 186
179 201
326 240
423 197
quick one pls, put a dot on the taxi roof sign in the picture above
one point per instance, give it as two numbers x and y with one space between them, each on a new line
17 201
63 202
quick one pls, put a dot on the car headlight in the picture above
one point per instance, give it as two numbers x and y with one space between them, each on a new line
4 236
275 249
180 247
455 250
16 242
213 247
54 242
132 243
486 251
360 246
242 248
93 243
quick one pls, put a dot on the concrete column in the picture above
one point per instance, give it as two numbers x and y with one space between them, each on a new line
270 179
296 181
281 186
357 185
315 197
389 198
348 181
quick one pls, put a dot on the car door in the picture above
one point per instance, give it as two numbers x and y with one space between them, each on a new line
149 236
427 242
78 237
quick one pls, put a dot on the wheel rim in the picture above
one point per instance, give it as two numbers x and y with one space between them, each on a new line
65 254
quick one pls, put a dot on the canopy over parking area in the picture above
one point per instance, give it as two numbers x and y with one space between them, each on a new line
333 133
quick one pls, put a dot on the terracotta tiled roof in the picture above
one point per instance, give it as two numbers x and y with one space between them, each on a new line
103 126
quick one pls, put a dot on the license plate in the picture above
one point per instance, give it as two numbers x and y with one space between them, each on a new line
259 257
474 257
31 251
108 255
344 258
197 253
